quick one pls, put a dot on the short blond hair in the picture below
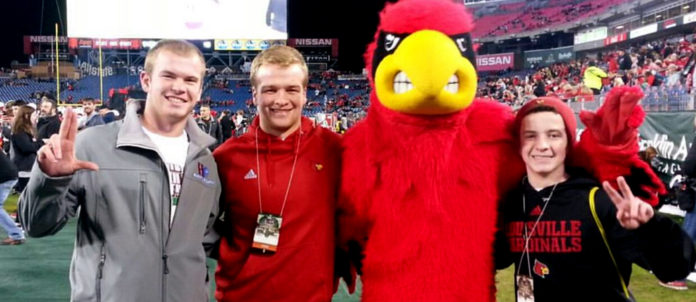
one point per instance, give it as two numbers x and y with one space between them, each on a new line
179 47
279 55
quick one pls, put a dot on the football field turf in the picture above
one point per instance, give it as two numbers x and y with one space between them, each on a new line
37 271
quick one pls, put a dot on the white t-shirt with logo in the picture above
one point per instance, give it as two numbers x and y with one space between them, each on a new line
173 151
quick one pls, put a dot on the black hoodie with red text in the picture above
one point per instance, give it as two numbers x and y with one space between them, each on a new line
568 259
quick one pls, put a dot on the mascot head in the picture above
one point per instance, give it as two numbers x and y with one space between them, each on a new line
421 61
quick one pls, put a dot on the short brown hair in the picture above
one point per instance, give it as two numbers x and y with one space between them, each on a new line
279 55
179 47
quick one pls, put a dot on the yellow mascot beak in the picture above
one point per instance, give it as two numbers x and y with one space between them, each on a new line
426 75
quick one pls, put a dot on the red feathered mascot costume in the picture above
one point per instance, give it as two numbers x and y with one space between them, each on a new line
422 174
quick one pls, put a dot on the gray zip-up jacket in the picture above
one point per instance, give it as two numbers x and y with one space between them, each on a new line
125 249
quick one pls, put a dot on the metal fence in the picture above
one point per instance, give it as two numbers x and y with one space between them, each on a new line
655 100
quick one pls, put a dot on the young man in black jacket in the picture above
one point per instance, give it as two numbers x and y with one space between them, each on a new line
548 229
49 122
209 125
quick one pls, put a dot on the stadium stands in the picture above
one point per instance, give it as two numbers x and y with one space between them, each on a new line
520 17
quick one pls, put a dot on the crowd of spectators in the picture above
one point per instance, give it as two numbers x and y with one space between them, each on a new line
663 69
514 18
331 101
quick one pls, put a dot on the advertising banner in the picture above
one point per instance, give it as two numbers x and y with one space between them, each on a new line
48 39
671 134
689 18
616 39
315 42
642 31
245 44
545 57
495 62
311 42
593 34
670 23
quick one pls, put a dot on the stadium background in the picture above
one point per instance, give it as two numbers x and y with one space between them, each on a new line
37 271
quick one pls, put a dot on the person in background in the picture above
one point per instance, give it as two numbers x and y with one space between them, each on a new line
24 145
209 125
49 122
8 178
226 124
91 116
593 77
689 225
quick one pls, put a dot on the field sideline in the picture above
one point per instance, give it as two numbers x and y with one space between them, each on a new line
38 272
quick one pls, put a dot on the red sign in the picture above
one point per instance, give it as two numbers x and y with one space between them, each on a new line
84 43
133 44
495 62
616 39
669 23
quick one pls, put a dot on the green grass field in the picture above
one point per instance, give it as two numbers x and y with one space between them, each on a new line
37 271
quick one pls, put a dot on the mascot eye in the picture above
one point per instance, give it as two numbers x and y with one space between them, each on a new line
390 42
463 42
387 44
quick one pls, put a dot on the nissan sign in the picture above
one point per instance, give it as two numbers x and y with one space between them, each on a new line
495 62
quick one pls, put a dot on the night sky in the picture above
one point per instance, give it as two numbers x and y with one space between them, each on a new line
353 22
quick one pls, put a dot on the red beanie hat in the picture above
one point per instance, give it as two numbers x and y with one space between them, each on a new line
561 108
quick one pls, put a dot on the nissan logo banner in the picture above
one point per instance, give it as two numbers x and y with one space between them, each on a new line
495 62
545 57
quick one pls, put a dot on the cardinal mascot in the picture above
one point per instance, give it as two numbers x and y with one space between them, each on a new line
424 171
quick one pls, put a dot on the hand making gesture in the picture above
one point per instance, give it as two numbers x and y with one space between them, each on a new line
57 156
631 212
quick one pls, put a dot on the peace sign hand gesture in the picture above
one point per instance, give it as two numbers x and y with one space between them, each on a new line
57 156
631 212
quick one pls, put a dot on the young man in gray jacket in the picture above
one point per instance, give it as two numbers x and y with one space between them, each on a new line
147 190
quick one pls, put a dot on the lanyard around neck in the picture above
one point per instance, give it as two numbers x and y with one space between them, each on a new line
292 171
528 236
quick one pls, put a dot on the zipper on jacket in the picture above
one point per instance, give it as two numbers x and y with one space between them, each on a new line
164 223
166 267
100 268
143 224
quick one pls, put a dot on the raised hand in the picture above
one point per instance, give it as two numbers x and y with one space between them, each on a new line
617 121
57 156
631 212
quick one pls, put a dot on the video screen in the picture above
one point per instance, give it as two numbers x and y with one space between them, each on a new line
178 19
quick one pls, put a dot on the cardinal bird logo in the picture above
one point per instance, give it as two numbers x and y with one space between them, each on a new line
540 269
536 211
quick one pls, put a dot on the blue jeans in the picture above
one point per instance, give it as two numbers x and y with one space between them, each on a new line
6 221
689 225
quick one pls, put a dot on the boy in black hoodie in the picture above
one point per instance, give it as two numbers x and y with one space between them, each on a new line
549 232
